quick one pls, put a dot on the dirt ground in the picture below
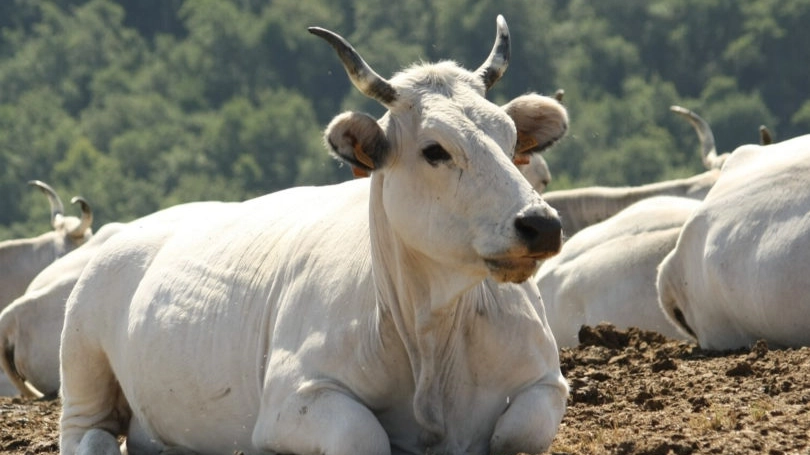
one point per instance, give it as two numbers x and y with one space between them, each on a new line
632 393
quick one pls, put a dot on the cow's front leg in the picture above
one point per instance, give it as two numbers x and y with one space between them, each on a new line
531 421
321 421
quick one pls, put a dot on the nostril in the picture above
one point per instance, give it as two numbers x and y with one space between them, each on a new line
541 233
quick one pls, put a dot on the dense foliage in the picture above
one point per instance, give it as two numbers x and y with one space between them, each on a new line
141 104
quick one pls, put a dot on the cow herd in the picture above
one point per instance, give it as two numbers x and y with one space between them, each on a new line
419 310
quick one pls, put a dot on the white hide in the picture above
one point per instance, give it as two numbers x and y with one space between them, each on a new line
739 270
349 319
607 271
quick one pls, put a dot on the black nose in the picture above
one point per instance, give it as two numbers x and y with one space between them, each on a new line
542 234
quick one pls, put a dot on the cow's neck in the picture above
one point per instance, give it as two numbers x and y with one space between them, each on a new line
422 299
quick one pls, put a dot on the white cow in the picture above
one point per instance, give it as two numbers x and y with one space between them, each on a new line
607 271
22 259
30 327
359 318
582 207
739 270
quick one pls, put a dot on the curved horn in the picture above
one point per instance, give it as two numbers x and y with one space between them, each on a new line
495 65
764 135
362 76
57 208
87 217
704 132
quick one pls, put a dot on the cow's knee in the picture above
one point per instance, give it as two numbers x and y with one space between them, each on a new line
327 422
531 421
98 442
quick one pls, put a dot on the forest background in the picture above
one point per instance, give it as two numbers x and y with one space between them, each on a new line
142 104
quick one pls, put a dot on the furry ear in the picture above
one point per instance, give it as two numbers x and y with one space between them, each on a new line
540 120
358 139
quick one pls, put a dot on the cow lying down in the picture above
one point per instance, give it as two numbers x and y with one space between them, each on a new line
607 271
738 272
382 315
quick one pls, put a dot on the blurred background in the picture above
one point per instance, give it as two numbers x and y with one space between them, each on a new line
141 104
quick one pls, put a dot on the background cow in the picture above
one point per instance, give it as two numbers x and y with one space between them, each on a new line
359 318
739 270
30 328
607 271
22 259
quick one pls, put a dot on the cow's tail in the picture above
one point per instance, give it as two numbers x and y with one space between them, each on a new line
7 360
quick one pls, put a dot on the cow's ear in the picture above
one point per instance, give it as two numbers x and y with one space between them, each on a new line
358 139
540 120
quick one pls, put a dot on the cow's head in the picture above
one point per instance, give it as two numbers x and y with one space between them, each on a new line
441 157
68 232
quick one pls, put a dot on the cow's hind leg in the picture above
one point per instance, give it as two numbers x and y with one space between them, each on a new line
94 411
321 422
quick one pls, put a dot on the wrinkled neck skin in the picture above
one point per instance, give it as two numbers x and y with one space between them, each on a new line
422 298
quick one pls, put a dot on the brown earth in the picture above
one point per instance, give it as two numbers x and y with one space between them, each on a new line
632 393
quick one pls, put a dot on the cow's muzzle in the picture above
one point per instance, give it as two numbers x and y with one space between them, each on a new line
542 234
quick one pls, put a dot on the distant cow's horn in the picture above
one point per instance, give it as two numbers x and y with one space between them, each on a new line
764 135
704 132
495 65
87 217
57 209
362 76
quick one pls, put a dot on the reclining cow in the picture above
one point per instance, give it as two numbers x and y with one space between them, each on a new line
738 272
350 319
22 259
607 271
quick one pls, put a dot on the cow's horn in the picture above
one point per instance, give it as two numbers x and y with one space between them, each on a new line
764 135
495 65
704 132
87 217
57 209
362 76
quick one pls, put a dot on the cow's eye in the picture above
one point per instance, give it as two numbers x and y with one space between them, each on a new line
435 154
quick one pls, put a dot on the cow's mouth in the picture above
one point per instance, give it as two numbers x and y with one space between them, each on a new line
514 270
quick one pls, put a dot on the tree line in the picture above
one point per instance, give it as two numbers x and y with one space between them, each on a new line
141 104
